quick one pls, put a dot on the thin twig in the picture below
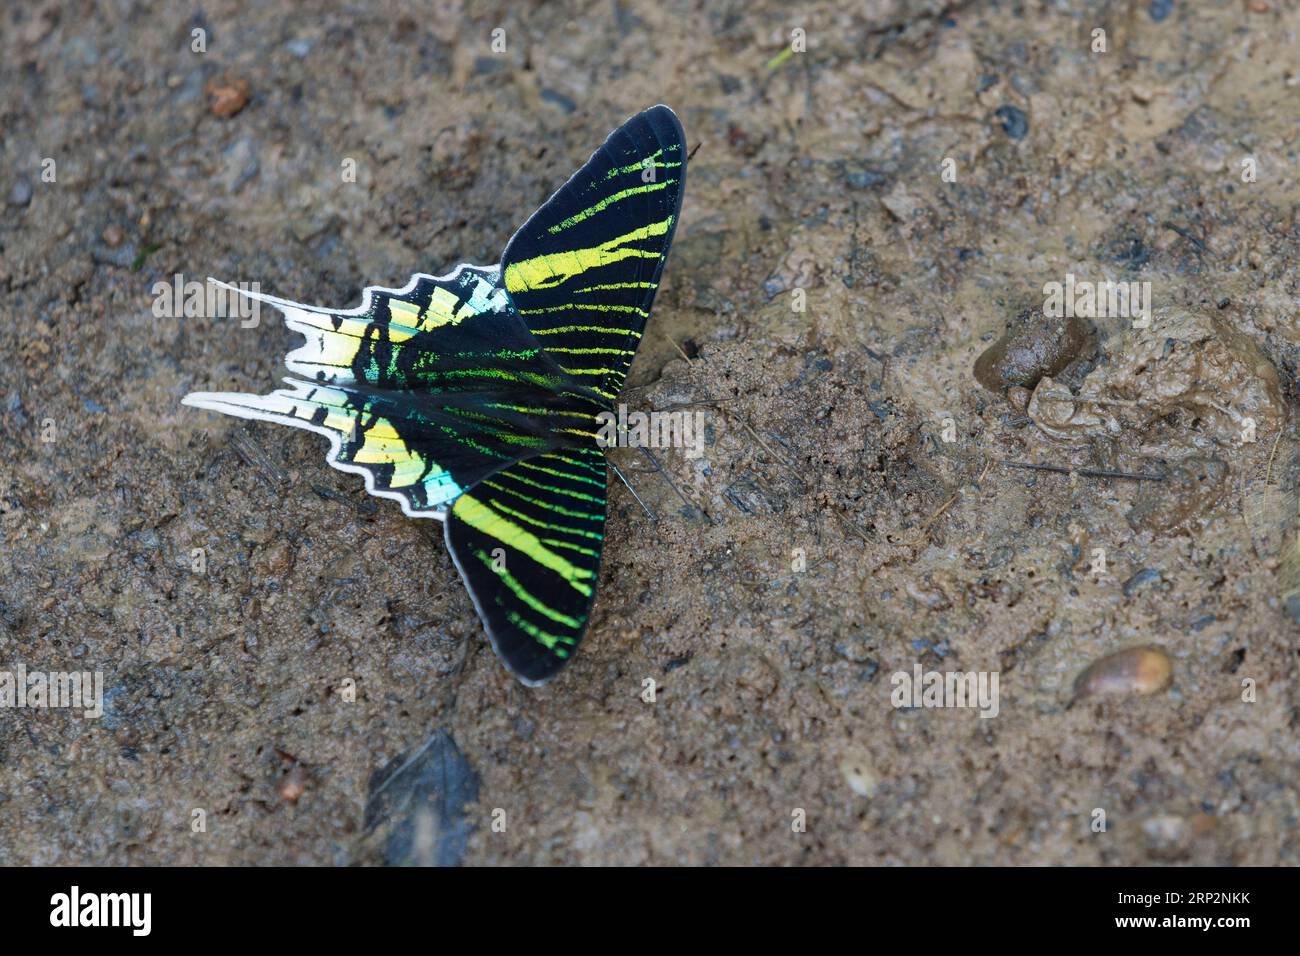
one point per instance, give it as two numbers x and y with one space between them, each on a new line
253 455
680 350
955 495
762 444
1198 243
1128 403
854 525
703 402
1067 397
1085 472
1268 475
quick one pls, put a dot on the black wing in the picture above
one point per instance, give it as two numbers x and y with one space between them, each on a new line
584 269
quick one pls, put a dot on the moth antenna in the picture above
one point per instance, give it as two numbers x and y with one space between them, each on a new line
623 479
671 484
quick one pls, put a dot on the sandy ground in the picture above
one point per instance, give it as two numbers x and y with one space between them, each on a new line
315 687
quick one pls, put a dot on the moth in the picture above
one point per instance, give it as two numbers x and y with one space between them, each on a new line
473 397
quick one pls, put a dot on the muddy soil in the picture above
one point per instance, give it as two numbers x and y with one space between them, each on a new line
293 672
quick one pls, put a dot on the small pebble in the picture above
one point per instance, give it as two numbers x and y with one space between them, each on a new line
863 178
227 96
1014 122
21 193
1166 835
859 775
1141 579
1135 670
112 236
564 104
292 785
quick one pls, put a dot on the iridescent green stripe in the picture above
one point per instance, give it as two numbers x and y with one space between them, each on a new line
557 543
544 505
473 416
547 381
588 371
637 167
581 464
586 328
522 593
563 474
608 201
542 637
531 410
520 354
482 518
592 351
498 429
618 285
470 442
580 496
569 307
567 529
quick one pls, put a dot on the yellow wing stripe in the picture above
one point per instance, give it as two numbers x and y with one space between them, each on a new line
482 518
553 268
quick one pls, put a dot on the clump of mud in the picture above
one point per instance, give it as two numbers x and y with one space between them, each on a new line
1035 345
1189 375
1190 490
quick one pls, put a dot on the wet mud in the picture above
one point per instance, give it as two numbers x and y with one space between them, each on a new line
292 670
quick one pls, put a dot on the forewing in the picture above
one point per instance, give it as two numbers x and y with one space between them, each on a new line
584 269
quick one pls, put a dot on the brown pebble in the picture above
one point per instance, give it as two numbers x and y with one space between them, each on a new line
112 237
1135 670
228 96
292 785
277 559
1018 396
